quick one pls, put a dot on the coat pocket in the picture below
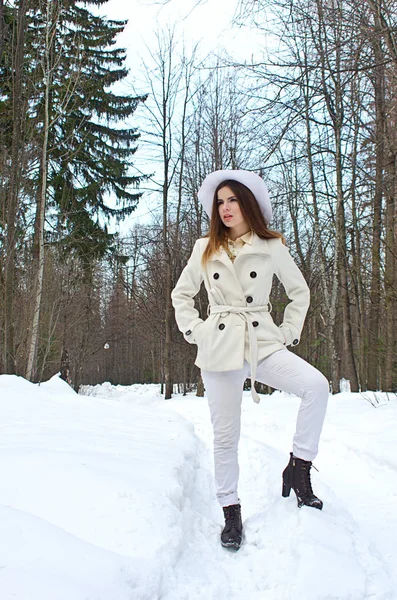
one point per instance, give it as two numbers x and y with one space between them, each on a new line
199 332
271 331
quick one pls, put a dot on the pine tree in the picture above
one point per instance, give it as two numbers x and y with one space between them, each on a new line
89 152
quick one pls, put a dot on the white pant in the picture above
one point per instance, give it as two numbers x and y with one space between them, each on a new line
282 370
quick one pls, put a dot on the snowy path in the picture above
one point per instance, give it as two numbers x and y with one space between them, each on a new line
347 551
111 497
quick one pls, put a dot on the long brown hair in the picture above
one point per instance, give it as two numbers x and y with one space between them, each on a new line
250 209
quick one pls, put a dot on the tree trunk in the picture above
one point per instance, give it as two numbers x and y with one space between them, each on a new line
2 28
348 366
38 242
65 367
17 116
168 330
390 375
200 388
375 293
356 250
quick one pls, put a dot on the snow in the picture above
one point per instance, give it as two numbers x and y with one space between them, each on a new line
110 496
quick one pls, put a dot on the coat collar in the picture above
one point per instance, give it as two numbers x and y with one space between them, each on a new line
257 246
246 238
253 245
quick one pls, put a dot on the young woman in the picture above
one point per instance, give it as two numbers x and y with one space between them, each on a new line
237 261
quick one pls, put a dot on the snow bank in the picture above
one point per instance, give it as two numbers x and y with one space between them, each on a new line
91 493
137 393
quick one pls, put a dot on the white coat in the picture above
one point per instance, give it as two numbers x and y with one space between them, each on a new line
239 325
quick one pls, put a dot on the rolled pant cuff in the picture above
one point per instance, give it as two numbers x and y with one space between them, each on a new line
303 454
229 500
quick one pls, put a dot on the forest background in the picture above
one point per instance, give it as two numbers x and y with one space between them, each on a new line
84 141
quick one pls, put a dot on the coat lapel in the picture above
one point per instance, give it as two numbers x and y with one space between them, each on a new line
222 257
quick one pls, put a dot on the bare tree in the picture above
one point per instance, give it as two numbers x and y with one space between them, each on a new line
168 76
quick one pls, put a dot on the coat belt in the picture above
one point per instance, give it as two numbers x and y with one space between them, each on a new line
244 312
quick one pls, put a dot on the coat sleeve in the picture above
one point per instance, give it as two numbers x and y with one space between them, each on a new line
188 285
297 291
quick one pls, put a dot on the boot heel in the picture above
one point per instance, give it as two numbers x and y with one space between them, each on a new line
286 489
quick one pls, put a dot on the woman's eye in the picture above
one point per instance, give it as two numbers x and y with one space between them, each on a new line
220 202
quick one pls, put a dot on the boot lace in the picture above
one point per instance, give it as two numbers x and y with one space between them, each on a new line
307 489
305 481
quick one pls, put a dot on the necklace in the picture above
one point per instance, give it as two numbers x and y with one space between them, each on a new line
231 250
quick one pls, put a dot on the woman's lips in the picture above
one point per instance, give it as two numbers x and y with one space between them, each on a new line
227 217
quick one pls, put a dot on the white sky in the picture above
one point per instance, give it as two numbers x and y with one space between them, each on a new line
209 23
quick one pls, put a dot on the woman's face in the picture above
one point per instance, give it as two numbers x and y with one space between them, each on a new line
229 210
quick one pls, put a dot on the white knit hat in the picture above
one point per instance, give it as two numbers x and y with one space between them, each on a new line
250 180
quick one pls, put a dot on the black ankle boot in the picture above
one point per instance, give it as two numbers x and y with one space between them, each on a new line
232 532
296 475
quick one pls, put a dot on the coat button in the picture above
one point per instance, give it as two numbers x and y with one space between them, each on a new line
188 332
221 326
253 274
216 275
255 323
249 299
295 342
